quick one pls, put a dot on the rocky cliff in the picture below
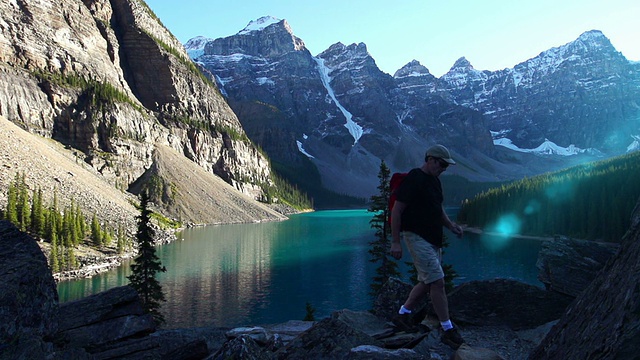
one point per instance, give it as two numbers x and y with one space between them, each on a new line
604 320
109 81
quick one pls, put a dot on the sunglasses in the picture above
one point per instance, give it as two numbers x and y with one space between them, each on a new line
443 164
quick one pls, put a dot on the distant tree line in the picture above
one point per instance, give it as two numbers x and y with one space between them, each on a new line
65 229
285 192
592 201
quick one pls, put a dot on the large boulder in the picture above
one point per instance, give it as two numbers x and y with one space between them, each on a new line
505 302
109 316
568 265
330 338
392 295
604 320
28 299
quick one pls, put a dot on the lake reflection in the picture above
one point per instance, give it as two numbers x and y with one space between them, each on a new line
247 274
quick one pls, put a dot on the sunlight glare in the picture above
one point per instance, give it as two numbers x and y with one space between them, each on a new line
532 207
506 226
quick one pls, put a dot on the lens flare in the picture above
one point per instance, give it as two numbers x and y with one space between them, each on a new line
503 230
508 225
532 207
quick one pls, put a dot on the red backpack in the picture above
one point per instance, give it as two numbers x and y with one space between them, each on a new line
394 183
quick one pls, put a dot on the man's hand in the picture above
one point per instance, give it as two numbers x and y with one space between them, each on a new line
457 229
396 250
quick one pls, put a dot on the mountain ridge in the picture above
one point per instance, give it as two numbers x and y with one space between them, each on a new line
481 115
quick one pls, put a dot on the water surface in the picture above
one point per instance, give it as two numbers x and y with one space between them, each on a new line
247 274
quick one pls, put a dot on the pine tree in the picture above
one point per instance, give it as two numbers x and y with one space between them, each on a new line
54 258
380 247
310 310
96 232
107 237
37 214
147 264
122 242
24 211
11 214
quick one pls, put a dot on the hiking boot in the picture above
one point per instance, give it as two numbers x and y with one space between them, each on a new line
404 322
452 338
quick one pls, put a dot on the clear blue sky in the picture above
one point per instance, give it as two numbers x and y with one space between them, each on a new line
491 34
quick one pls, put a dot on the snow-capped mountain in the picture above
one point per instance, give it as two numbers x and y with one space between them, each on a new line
339 111
583 93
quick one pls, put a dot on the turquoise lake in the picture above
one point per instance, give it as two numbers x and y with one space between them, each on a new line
263 273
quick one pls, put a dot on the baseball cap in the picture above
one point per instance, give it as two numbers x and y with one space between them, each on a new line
441 152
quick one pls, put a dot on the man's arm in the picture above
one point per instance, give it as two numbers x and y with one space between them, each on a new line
396 224
455 228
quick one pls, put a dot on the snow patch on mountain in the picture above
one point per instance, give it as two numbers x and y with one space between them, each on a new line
259 25
221 83
302 150
195 46
546 148
265 80
635 145
355 130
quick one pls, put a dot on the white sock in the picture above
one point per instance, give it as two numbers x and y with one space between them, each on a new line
404 310
446 325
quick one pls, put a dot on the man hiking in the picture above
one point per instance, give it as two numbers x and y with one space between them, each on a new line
418 215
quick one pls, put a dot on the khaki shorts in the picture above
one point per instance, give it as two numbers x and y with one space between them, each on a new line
426 258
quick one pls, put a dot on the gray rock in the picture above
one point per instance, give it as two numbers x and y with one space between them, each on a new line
505 302
604 320
361 320
28 299
328 339
368 352
242 347
112 315
259 334
392 295
568 265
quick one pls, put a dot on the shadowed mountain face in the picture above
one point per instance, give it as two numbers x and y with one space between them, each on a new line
345 115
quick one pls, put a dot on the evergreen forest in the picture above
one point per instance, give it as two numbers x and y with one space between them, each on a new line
592 201
65 229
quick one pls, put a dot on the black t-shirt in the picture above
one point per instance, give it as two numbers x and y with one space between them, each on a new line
423 215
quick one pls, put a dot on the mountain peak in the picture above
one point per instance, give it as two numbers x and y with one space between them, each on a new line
261 24
592 35
412 68
594 39
462 63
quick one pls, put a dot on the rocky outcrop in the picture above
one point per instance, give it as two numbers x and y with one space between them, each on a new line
506 302
106 79
28 300
604 320
568 266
